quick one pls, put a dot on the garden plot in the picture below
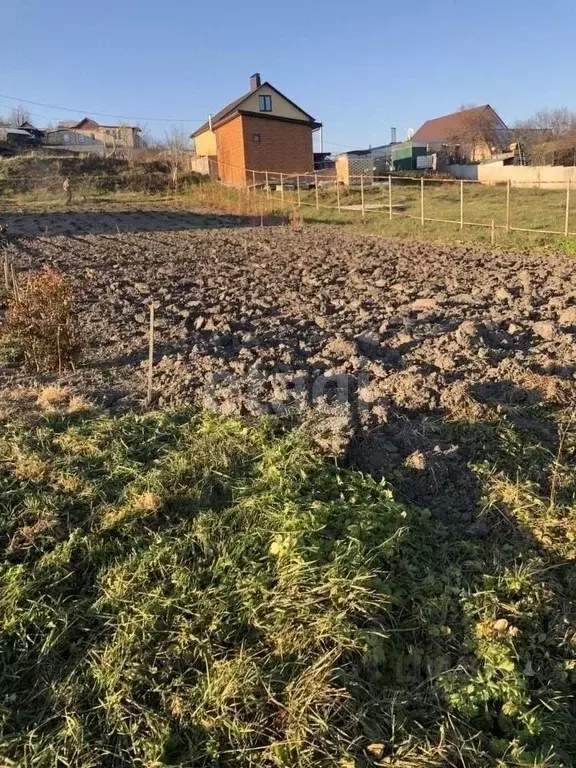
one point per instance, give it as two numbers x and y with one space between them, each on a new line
184 586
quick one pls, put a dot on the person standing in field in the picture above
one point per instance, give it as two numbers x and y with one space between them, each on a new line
67 187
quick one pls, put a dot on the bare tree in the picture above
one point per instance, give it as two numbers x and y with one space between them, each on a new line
147 139
176 142
557 122
548 134
19 115
477 134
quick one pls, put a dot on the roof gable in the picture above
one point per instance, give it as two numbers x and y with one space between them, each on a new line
449 126
87 124
235 106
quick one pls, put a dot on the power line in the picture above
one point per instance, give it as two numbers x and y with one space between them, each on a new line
104 114
32 114
126 117
333 144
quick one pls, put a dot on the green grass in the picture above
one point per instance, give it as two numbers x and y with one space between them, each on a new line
530 208
83 197
180 589
37 179
540 209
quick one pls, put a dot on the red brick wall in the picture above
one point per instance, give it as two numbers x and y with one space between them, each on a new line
230 148
283 147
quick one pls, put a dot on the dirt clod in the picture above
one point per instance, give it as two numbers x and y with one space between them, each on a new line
381 337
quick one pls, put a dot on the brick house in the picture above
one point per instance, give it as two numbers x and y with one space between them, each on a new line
261 131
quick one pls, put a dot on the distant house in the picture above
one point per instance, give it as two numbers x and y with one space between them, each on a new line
90 137
469 135
33 131
112 136
68 139
263 130
16 138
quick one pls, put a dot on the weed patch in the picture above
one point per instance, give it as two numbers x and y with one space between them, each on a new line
182 589
40 323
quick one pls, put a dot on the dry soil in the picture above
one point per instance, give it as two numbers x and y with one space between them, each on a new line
383 337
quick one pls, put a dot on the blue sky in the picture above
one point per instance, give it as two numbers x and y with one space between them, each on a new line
358 67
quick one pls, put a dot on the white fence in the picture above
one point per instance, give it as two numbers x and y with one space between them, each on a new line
552 176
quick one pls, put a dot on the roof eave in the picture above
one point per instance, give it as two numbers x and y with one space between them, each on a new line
236 109
265 116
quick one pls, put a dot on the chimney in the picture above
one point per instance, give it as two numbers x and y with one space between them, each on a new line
393 135
255 81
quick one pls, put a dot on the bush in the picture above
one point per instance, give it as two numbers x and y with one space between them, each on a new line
40 324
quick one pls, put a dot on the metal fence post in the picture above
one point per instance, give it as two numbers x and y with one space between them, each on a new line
422 200
316 190
338 196
567 222
298 188
461 204
362 194
254 180
508 206
282 187
267 186
493 233
390 196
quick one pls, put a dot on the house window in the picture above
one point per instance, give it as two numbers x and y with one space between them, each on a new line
256 138
81 138
66 138
265 103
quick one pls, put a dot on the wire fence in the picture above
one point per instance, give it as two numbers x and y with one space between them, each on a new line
544 210
421 197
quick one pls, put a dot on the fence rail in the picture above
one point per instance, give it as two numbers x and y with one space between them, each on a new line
279 186
462 203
